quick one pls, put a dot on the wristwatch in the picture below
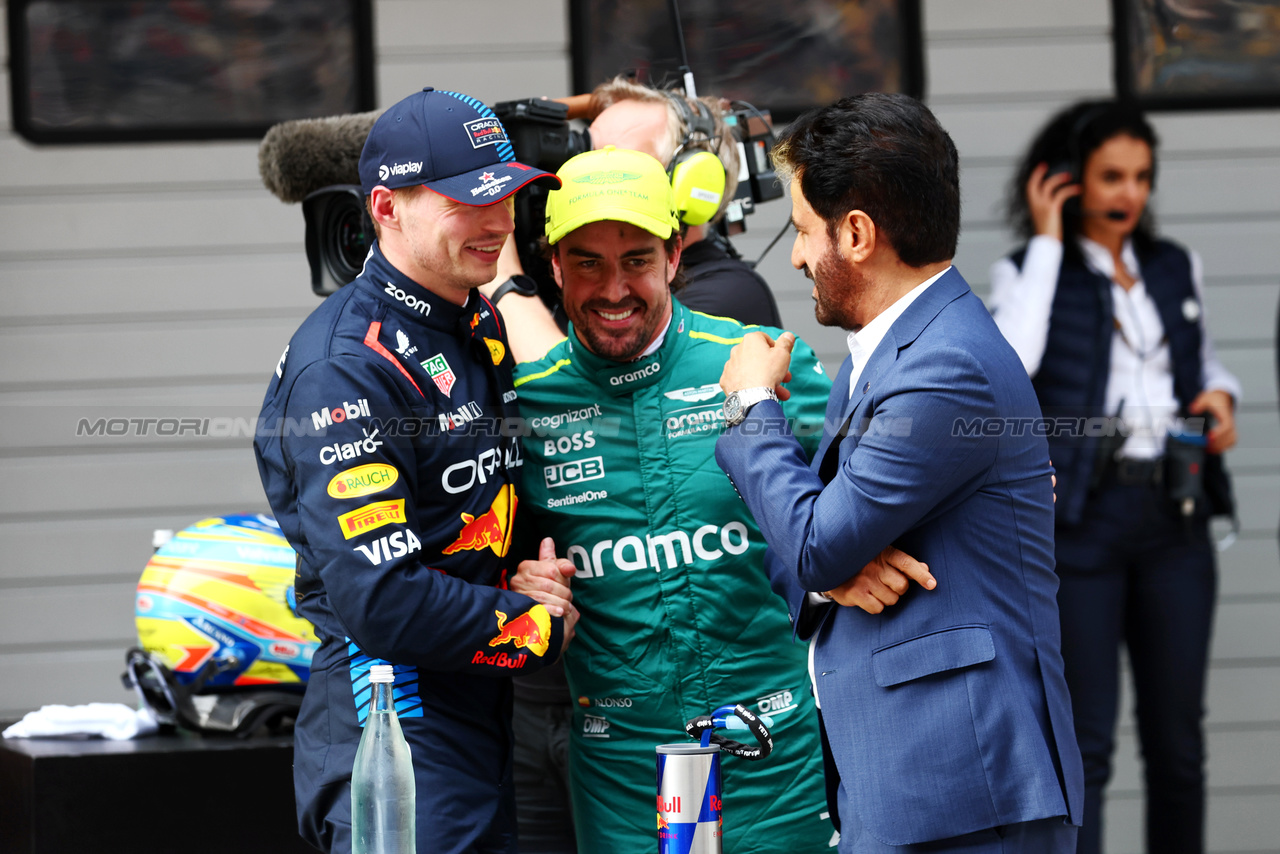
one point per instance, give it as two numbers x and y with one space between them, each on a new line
524 285
738 402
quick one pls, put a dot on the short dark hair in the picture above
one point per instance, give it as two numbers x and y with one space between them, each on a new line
1067 140
887 156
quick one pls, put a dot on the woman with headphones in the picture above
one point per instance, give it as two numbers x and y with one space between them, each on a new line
1109 322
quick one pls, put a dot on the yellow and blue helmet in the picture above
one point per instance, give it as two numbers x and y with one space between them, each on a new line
220 645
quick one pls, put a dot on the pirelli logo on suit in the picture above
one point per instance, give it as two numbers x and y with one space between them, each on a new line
371 516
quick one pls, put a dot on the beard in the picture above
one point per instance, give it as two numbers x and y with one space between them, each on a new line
620 346
836 286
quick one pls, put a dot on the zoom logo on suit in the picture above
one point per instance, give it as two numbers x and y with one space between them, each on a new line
944 704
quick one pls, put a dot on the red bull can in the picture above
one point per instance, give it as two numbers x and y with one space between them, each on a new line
689 819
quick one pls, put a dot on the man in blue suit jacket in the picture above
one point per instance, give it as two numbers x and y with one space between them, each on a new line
945 709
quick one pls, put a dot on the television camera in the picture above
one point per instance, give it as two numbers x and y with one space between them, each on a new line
315 161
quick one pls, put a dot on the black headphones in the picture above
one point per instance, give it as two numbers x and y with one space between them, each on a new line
697 176
1075 147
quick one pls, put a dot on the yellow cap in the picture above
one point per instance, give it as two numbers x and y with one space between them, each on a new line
611 184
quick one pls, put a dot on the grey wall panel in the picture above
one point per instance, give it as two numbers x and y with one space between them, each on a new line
996 129
1237 823
100 290
190 167
1247 630
1241 695
457 26
134 483
1258 503
84 420
1259 444
1194 132
1228 249
83 550
71 677
87 614
1255 367
1236 759
140 351
1235 188
494 77
958 70
1251 567
111 222
1187 188
949 19
1241 312
1245 248
1001 127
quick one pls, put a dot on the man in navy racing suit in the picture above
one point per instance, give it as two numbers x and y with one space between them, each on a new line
390 478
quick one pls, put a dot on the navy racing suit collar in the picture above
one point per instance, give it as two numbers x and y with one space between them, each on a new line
407 297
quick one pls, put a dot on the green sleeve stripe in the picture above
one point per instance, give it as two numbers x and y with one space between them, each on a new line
716 338
726 319
551 370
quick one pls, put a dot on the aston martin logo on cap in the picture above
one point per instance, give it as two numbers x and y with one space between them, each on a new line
608 176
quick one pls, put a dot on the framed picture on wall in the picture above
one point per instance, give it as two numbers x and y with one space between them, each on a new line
141 70
784 57
1198 54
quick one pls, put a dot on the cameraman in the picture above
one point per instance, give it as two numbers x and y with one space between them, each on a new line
665 124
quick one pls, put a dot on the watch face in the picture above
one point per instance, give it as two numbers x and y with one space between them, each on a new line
732 408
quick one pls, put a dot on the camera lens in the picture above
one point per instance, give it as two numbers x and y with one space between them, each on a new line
346 238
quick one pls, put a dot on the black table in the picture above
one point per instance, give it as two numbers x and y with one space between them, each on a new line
180 793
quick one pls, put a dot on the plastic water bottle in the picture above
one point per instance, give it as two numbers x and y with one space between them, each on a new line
382 785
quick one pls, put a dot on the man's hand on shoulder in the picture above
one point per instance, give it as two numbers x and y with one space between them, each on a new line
546 580
759 361
882 582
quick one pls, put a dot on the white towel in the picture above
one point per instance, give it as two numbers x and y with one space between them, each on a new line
115 721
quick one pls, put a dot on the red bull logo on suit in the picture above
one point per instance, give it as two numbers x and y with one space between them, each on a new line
530 630
491 529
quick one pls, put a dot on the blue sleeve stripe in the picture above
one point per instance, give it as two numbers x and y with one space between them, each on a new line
404 689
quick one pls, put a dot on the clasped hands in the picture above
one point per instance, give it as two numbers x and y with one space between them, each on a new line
546 581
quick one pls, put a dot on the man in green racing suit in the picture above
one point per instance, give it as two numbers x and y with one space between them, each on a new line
677 614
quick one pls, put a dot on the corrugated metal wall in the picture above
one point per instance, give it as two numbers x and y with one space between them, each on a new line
163 281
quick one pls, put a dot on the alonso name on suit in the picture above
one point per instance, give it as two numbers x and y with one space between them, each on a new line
944 704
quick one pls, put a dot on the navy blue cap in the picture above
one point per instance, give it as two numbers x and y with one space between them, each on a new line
448 142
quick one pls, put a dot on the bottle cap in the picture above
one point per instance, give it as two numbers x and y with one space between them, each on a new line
382 673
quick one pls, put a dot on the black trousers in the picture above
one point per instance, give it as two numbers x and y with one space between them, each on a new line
1133 572
543 810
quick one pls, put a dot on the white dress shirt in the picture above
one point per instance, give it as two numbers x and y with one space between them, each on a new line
861 345
865 341
1140 385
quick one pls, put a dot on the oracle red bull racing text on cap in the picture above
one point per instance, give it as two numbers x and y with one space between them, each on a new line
448 142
